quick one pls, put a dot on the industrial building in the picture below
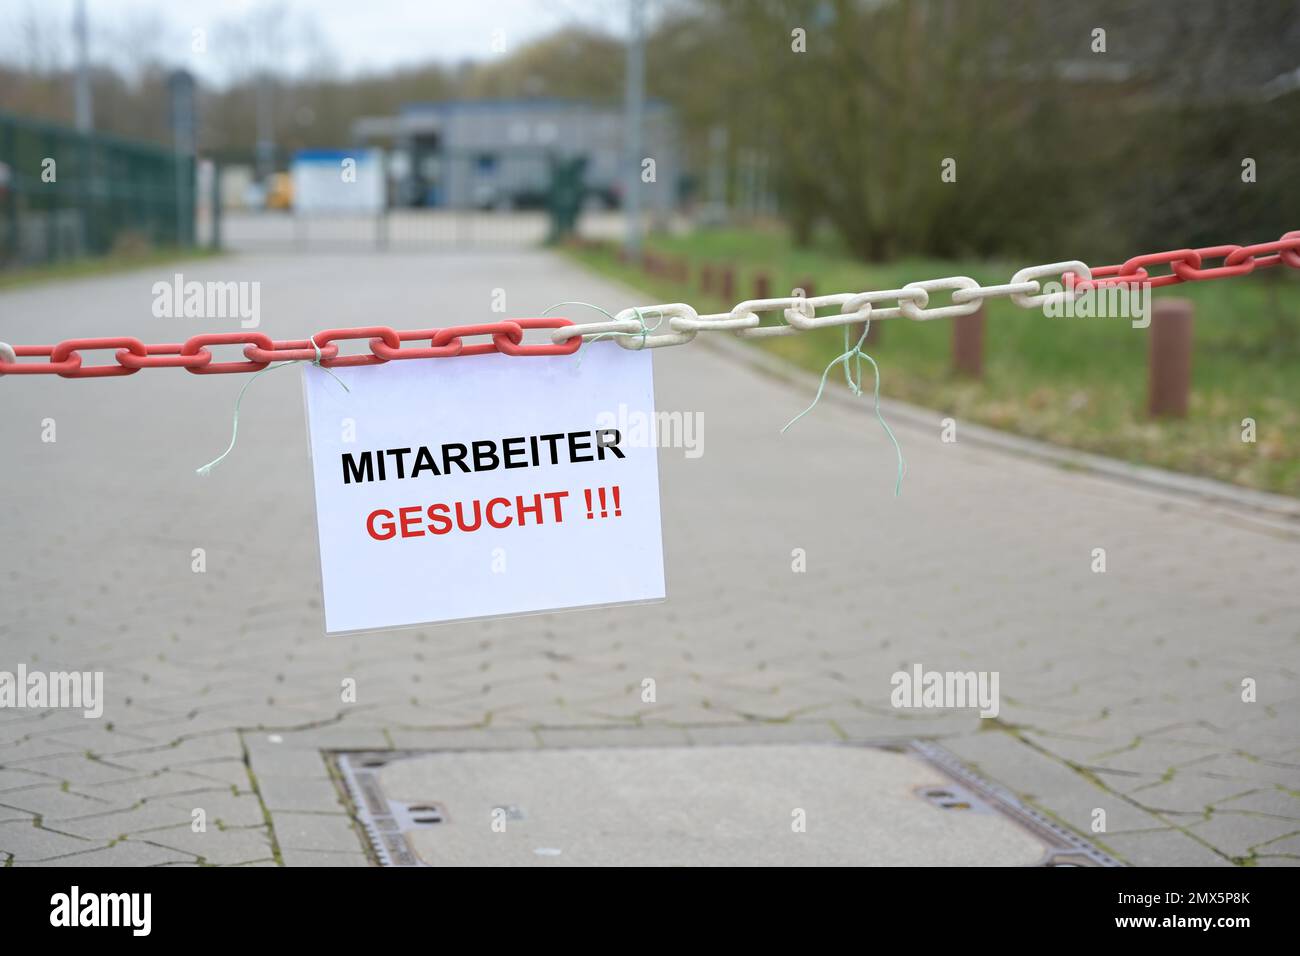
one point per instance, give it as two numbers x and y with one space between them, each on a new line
498 154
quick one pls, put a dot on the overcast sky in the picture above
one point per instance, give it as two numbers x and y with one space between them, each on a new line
358 34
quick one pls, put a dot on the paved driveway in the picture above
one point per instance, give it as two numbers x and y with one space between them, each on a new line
1120 691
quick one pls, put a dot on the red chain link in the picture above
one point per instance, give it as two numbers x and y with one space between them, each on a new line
261 350
1186 265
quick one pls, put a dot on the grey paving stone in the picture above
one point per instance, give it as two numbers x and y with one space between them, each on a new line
1239 835
463 739
685 715
53 802
323 858
1140 756
1184 792
150 815
1275 802
184 752
544 714
1286 846
123 793
124 853
289 762
793 732
1162 848
614 737
26 842
222 807
34 752
871 728
215 846
1049 784
78 768
298 793
1238 767
11 815
18 779
231 773
316 831
331 738
96 736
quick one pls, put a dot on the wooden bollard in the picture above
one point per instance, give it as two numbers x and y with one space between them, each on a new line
1169 368
706 278
727 287
762 286
968 344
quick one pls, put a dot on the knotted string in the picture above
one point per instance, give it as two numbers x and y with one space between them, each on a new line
205 470
644 331
853 376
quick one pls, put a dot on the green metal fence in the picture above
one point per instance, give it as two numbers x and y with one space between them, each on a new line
64 194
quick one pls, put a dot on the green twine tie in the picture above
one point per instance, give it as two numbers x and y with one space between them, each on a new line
853 376
206 470
645 330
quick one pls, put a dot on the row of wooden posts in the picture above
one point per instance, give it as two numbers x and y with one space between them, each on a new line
1169 360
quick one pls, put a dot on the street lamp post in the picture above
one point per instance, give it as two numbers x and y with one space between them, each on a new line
634 103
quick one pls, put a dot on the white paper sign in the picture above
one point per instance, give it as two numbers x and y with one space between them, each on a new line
483 486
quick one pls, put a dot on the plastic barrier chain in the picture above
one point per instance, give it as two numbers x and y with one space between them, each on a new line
911 301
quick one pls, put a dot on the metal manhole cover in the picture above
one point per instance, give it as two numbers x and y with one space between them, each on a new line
798 804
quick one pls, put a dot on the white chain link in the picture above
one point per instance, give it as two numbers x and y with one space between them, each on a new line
635 328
